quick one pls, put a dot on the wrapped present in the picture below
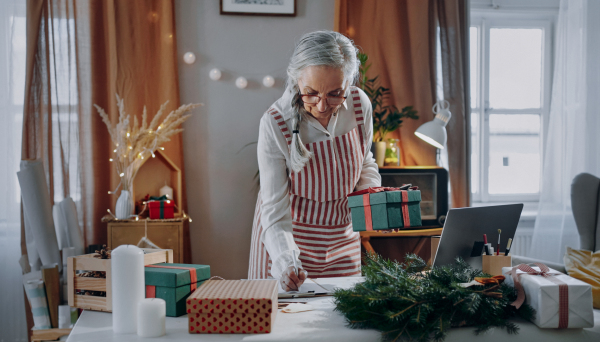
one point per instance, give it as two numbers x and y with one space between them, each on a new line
559 301
161 208
233 307
385 208
174 283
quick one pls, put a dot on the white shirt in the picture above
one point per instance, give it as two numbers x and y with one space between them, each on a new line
274 161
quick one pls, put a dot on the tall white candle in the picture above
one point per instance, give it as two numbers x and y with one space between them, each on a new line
127 273
151 317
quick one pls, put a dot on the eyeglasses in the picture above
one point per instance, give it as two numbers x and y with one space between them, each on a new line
330 100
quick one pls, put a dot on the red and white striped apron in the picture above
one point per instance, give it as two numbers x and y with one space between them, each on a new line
321 220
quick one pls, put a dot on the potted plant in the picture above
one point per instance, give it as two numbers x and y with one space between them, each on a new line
386 118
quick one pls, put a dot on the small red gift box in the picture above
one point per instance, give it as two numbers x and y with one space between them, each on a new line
161 209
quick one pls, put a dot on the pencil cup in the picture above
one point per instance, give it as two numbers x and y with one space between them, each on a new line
492 264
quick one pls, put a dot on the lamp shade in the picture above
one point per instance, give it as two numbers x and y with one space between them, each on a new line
434 132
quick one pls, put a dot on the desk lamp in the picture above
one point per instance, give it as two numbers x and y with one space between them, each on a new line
434 132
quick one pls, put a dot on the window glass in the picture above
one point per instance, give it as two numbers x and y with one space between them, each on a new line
475 153
474 62
515 68
514 154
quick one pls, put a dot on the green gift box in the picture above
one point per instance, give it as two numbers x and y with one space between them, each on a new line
385 209
174 283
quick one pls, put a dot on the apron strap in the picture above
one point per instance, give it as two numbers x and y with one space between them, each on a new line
282 125
360 119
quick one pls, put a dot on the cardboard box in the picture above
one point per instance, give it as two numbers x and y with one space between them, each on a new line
174 283
233 307
88 262
545 297
385 210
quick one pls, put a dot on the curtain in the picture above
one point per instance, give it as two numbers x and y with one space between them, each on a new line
572 142
135 56
12 76
400 38
453 22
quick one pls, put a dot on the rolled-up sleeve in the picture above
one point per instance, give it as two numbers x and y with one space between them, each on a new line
369 176
276 217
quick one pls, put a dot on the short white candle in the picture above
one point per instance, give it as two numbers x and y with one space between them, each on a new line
127 273
151 317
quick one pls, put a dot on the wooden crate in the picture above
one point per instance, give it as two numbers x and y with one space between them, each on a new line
87 262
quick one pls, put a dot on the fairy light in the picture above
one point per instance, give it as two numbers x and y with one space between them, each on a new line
110 160
190 219
131 148
110 192
128 134
159 127
115 150
122 174
162 148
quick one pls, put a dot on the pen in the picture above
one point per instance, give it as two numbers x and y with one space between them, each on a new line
508 246
498 249
485 244
295 267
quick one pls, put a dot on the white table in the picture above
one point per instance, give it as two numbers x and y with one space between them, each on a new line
321 324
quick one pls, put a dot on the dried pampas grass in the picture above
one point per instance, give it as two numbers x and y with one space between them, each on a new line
134 143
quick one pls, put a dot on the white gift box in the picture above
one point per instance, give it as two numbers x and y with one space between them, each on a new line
543 295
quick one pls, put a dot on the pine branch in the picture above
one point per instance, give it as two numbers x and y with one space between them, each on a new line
412 301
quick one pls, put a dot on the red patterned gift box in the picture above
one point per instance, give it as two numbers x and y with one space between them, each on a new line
233 307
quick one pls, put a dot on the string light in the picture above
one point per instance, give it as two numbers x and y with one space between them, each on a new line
115 150
110 160
128 134
131 148
110 192
122 174
162 148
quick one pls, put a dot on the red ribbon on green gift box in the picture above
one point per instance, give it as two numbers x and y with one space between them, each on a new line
367 202
151 289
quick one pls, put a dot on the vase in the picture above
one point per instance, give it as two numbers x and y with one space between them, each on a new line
124 205
380 147
392 153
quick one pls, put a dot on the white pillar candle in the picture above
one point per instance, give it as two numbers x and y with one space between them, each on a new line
151 317
127 273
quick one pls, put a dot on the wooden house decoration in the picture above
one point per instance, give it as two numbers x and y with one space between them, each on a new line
154 174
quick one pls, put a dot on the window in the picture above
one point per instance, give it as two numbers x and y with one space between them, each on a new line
510 100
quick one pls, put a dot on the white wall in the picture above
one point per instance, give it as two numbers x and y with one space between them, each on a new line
221 191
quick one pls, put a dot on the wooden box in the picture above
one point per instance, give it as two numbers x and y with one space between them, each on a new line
492 264
166 234
87 262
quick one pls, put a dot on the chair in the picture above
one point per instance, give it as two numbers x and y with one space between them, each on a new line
585 203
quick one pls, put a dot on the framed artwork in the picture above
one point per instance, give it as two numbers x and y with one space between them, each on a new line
285 8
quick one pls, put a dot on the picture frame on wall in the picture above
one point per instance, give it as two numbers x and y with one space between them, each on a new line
283 8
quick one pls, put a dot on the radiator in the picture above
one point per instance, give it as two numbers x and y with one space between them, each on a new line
521 242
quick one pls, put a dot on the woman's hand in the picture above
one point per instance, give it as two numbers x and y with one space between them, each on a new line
290 281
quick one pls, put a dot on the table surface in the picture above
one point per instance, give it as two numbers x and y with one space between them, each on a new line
321 324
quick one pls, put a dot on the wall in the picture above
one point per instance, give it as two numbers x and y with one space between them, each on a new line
221 191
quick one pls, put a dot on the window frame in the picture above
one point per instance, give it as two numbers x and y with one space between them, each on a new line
484 21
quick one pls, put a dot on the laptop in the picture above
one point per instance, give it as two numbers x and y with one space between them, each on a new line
464 226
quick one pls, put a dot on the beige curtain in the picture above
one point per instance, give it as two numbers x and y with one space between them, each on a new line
135 56
400 38
453 19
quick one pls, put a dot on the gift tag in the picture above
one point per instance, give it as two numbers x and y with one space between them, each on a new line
297 307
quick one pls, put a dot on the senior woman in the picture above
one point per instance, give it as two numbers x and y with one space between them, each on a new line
313 150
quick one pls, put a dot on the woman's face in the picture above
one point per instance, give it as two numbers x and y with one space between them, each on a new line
322 81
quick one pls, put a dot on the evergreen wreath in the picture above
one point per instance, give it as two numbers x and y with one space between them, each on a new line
415 302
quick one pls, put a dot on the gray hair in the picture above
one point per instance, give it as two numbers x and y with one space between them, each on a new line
319 48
